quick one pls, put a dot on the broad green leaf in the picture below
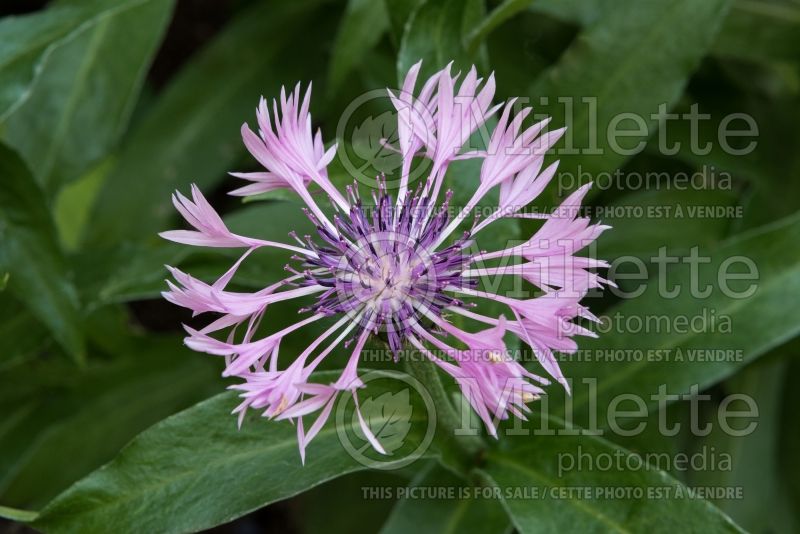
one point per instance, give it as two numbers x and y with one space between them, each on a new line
739 320
518 61
543 493
459 507
500 14
79 103
364 23
187 472
757 155
21 334
643 221
28 40
582 12
74 202
762 31
191 133
756 30
436 33
319 509
72 422
755 459
29 251
399 13
130 271
636 57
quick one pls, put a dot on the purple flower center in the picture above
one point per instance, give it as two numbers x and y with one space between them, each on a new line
382 269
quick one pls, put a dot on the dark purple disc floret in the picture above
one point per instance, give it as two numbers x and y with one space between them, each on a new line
381 269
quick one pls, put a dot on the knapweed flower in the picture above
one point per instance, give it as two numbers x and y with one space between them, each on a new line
399 265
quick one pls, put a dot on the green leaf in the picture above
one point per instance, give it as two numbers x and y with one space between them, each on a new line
455 510
319 510
581 12
755 459
21 334
758 157
543 493
29 251
399 13
635 58
436 34
72 422
498 16
15 514
761 31
746 320
191 133
130 271
86 85
188 472
28 40
645 220
74 202
364 23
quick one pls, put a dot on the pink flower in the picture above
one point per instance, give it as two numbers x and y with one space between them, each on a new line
401 265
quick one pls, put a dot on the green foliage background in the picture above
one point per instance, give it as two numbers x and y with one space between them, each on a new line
92 148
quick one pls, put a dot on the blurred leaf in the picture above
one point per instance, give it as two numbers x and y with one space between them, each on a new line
763 31
275 194
399 13
430 514
755 461
74 422
364 23
191 133
582 12
85 87
757 322
500 14
21 334
436 33
636 57
27 41
760 158
130 271
756 30
319 510
29 251
523 47
17 515
585 500
74 202
187 472
678 220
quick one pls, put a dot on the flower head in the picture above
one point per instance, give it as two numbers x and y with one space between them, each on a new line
397 266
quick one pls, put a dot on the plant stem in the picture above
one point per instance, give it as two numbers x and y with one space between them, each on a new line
465 448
